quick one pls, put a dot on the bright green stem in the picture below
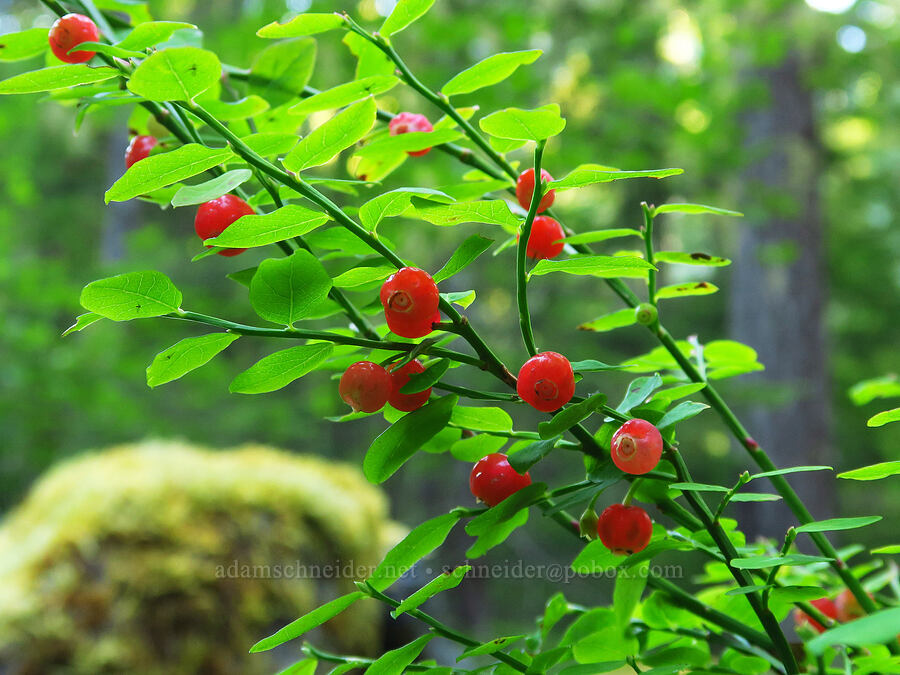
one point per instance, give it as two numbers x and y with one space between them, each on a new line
648 243
521 250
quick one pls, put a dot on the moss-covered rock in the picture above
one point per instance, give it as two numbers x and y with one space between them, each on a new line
166 558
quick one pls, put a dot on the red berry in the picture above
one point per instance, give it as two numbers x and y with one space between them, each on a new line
624 529
410 298
492 479
406 122
139 149
399 378
365 386
215 215
824 605
525 189
70 31
546 381
848 607
636 447
543 242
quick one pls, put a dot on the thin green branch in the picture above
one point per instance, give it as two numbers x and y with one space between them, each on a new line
521 252
648 244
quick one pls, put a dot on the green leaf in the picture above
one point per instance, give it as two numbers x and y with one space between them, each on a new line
608 322
528 125
185 356
55 77
270 143
490 647
370 60
638 391
82 321
328 140
755 497
442 583
285 290
497 536
762 561
681 412
189 195
494 212
879 387
422 540
249 106
600 235
344 94
158 171
685 290
401 440
505 510
425 379
833 524
605 266
307 622
694 208
152 33
876 628
592 366
588 174
395 661
793 469
461 298
884 417
873 471
472 449
243 277
684 258
489 71
486 418
629 586
111 50
463 256
403 14
302 26
176 74
408 142
891 549
698 487
24 44
570 416
360 276
285 223
531 454
281 71
136 295
280 369
595 558
394 203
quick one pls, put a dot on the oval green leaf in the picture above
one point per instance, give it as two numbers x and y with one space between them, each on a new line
307 622
259 230
190 195
136 295
285 290
325 142
55 77
185 356
177 74
280 369
489 71
527 125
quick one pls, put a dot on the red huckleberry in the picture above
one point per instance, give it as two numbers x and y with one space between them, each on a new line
217 214
405 122
546 381
525 189
636 447
139 148
411 327
624 529
493 479
824 605
410 299
543 242
365 386
70 31
399 378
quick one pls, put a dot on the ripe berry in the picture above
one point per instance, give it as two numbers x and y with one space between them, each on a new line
525 189
824 605
624 529
645 314
492 479
543 242
365 386
406 122
399 378
546 381
70 31
215 215
848 607
139 149
636 447
410 299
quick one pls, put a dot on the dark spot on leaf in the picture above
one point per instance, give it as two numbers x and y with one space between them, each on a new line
701 256
702 284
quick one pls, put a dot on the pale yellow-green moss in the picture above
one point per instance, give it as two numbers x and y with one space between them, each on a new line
124 560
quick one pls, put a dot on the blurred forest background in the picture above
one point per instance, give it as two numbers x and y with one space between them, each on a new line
782 109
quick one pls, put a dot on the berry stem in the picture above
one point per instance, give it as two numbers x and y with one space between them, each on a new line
647 232
521 273
629 496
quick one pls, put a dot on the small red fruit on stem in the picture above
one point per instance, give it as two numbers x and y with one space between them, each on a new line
624 529
546 382
543 242
139 148
217 214
405 122
410 299
70 31
493 479
824 605
365 387
525 189
399 378
636 447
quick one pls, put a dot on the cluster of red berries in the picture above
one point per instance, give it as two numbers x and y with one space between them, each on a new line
367 386
68 32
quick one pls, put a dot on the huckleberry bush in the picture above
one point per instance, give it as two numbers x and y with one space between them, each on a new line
199 147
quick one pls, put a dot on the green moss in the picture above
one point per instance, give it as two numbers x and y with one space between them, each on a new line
167 558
